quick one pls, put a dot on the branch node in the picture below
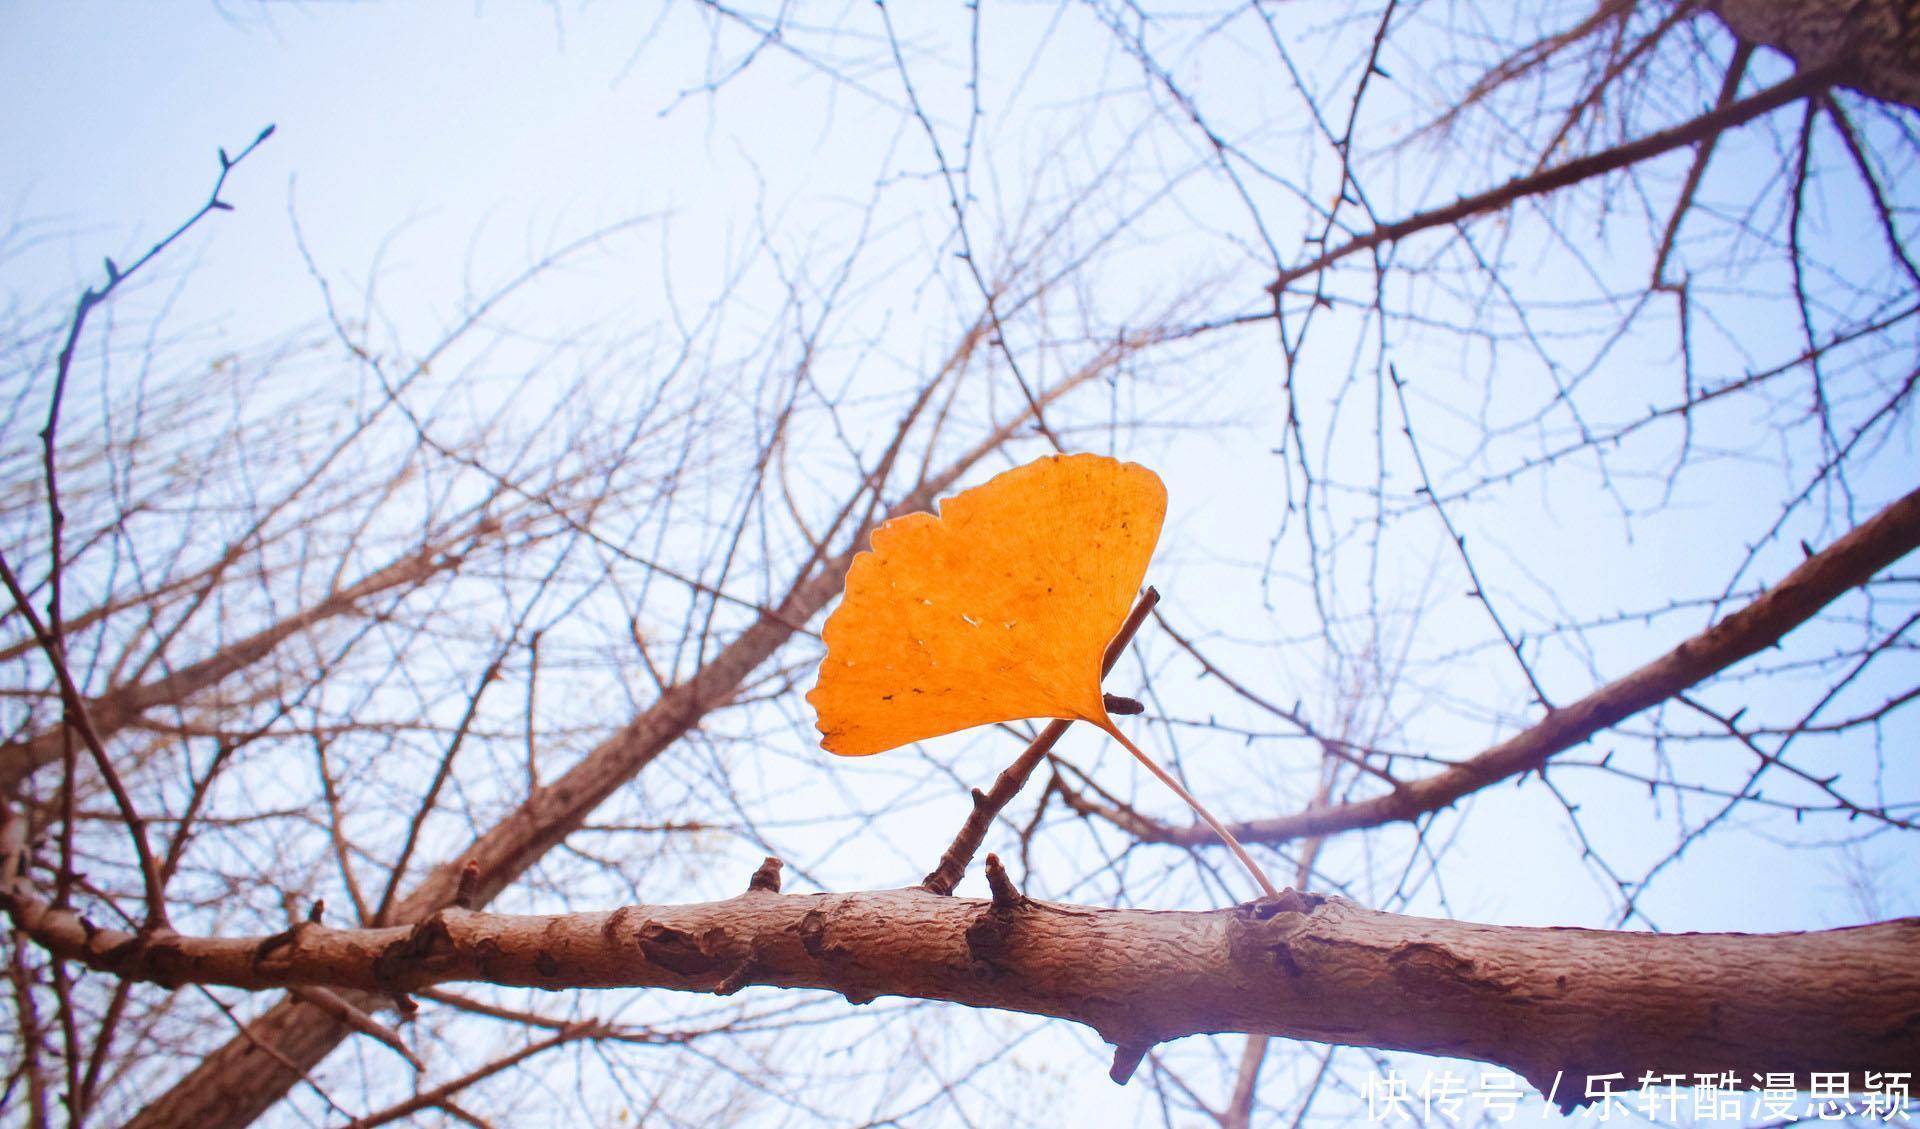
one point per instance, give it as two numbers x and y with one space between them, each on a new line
766 877
466 892
1006 896
413 952
1288 900
161 953
1122 705
616 921
741 975
285 939
1126 1060
990 938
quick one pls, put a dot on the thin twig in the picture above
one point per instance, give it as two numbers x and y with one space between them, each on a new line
1460 541
988 804
1848 563
63 367
1729 86
428 1099
331 1003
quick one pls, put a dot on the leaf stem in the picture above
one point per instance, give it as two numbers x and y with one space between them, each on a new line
1220 829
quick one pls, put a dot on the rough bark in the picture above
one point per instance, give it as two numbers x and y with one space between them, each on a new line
1818 581
1552 1005
1876 41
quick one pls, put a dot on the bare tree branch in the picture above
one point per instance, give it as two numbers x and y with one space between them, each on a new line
1799 596
1542 1002
1802 85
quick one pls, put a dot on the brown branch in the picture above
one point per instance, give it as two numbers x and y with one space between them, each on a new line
988 804
1818 581
1239 1111
440 1095
1687 133
1479 589
1896 247
146 599
1338 749
113 711
76 716
1618 62
1300 966
28 1034
1729 86
464 887
359 1020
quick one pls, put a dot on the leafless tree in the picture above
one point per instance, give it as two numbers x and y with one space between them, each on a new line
1543 398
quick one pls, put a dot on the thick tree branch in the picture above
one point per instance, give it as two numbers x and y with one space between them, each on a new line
1537 1001
1709 125
1818 581
1879 40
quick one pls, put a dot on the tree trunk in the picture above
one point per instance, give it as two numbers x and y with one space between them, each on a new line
1882 37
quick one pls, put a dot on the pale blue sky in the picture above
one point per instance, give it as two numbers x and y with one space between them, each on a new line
439 148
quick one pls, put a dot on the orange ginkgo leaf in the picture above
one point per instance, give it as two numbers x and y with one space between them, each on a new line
996 610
